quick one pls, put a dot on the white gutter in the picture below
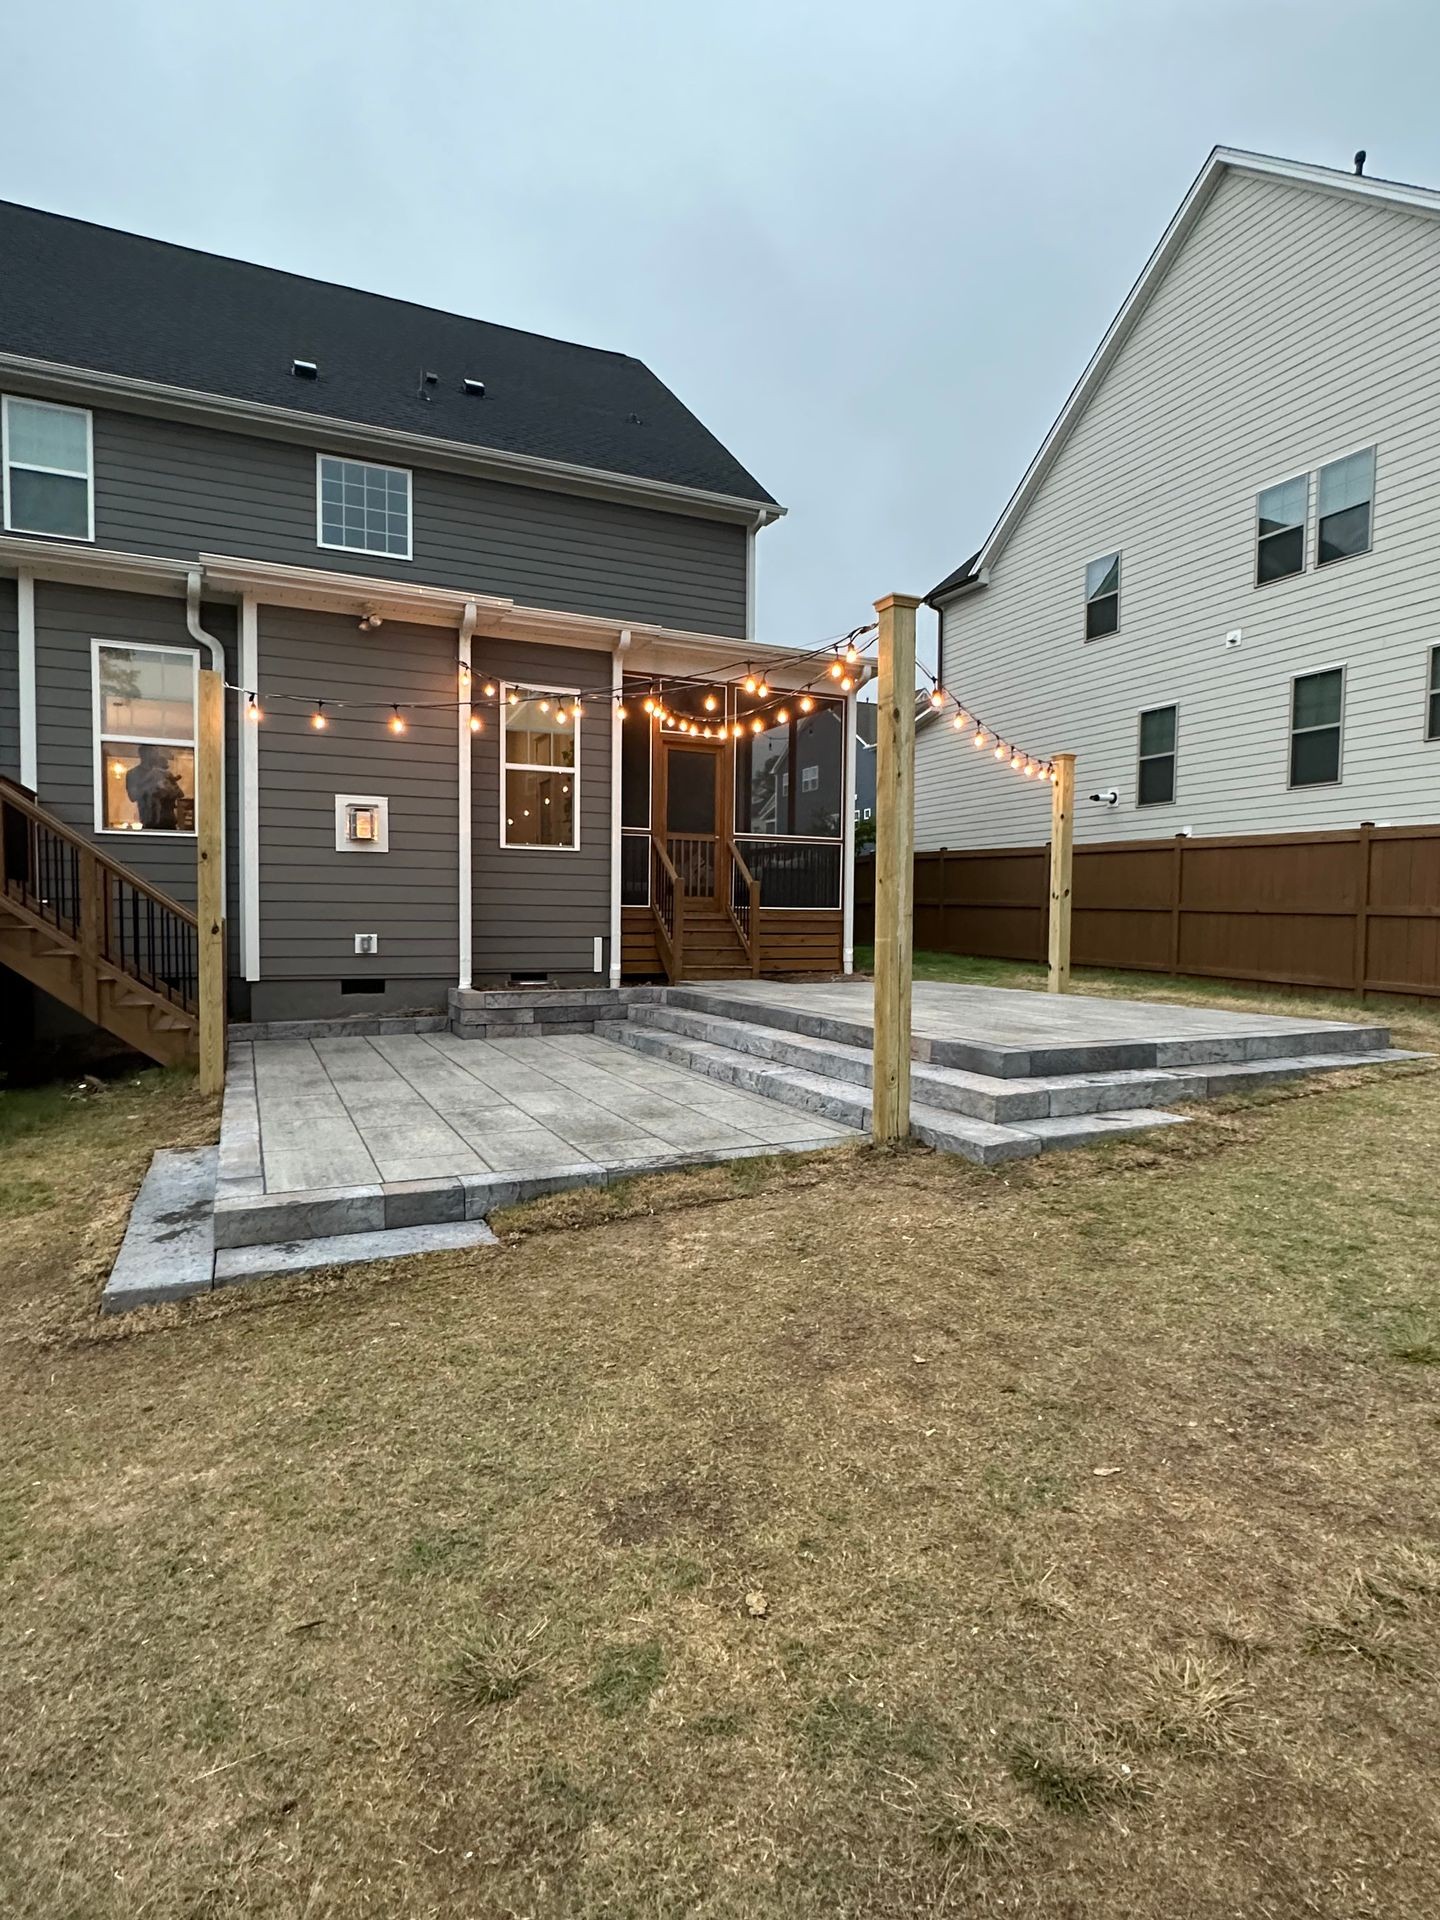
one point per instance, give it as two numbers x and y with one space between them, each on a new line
466 801
25 664
249 795
617 833
193 581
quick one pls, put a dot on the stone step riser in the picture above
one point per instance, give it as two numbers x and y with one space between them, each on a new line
1009 1063
997 1102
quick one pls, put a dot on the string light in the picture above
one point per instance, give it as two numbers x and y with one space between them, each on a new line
807 705
937 698
752 685
397 720
252 710
782 718
489 689
711 703
317 718
622 711
464 677
475 723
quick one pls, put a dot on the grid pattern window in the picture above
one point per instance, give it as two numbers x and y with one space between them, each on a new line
540 758
1317 703
145 707
1102 597
1280 530
1155 785
364 509
47 467
1346 493
1432 701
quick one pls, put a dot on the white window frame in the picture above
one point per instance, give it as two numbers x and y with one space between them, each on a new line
1432 690
1173 756
1372 447
373 466
1311 673
26 466
1305 531
571 697
1117 554
140 739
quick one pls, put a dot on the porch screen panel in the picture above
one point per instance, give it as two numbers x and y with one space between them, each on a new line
790 800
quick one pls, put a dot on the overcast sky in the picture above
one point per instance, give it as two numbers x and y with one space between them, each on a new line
871 245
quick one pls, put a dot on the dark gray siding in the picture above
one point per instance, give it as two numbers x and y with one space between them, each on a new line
166 488
538 910
9 683
314 899
67 619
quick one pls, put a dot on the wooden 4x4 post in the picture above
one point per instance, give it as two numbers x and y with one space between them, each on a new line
894 868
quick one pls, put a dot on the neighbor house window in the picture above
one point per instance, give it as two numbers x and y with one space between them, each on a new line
1316 703
1346 491
1155 786
361 508
144 738
1102 597
540 760
47 465
1280 530
1432 704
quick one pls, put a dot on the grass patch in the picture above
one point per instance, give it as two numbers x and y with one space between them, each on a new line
422 1588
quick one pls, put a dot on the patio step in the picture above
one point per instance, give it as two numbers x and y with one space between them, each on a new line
848 1101
978 1096
1046 1060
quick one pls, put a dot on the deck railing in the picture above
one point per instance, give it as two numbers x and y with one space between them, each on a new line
110 913
743 899
793 872
694 856
667 902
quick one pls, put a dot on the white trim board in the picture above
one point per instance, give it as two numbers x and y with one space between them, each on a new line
249 786
25 667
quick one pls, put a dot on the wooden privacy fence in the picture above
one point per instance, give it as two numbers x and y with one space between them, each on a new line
1356 910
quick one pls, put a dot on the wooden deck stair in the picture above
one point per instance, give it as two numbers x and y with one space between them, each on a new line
697 935
94 935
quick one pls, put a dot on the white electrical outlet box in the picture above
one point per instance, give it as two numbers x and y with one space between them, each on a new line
367 943
1234 637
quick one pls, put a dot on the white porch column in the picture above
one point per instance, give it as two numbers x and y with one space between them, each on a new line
847 855
25 663
248 738
617 846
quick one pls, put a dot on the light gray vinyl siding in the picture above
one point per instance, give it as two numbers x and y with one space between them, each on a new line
539 909
163 487
9 682
313 898
67 619
1294 327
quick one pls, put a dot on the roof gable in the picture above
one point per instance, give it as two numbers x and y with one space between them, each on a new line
93 298
1222 161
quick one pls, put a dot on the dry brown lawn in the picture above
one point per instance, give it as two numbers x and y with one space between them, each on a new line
859 1536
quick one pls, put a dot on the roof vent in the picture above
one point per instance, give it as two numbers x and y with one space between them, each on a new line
633 420
476 387
1360 161
304 369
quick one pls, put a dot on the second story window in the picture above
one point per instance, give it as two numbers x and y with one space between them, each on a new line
1155 784
1346 491
362 508
1317 702
1102 597
47 467
1280 530
1432 703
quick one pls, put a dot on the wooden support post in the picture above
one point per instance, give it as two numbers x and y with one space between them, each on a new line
209 894
894 868
1062 868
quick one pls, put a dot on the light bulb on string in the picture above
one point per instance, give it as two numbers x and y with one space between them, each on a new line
757 725
836 670
752 685
397 720
807 705
981 738
464 676
252 708
937 698
623 711
475 723
782 718
852 653
958 722
317 718
1000 751
711 703
489 689
847 685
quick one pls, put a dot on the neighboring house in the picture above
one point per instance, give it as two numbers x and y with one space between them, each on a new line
1218 584
435 555
866 716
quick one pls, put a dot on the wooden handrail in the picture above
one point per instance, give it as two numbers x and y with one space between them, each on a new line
667 887
12 794
747 925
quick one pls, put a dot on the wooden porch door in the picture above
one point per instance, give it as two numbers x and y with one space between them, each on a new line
692 812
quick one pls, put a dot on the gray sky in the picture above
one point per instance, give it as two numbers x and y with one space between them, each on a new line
872 246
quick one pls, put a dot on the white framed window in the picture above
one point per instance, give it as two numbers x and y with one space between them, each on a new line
362 508
539 766
1280 530
1432 697
809 779
145 702
1155 772
1317 712
47 464
1344 500
1102 597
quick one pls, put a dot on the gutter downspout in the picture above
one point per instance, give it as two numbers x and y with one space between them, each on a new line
617 837
466 805
193 580
847 848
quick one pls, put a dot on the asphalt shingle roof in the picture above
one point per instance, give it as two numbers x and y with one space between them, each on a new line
92 297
